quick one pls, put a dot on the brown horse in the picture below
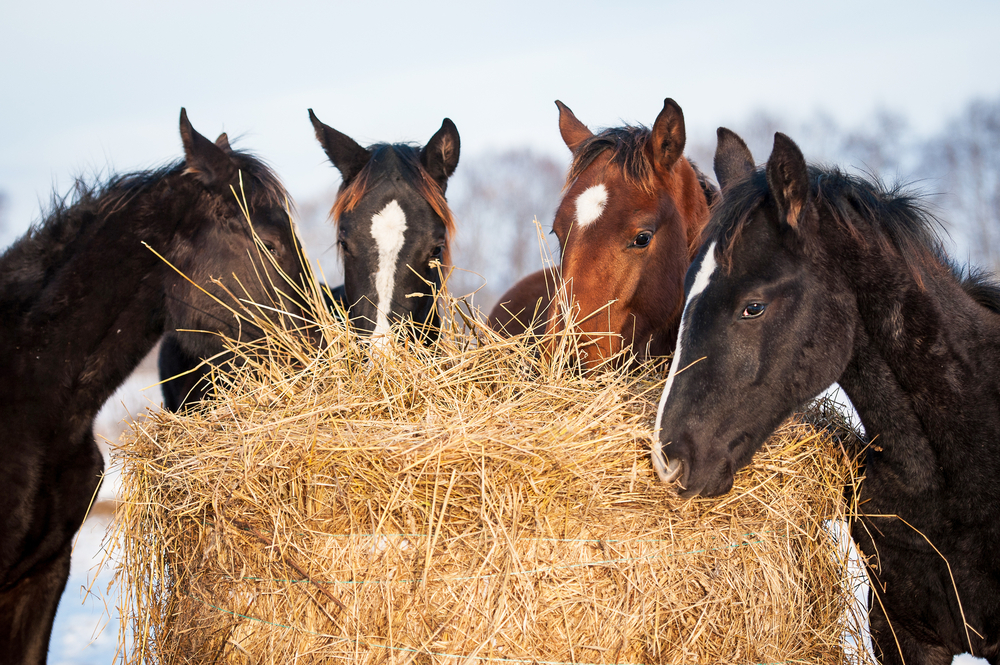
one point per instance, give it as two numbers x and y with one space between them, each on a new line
629 223
525 306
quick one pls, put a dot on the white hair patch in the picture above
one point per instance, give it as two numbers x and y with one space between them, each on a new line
701 280
388 229
590 204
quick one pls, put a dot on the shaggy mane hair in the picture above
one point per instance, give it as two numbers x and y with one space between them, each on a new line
893 217
30 259
414 174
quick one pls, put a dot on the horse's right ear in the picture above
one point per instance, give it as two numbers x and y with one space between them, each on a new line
788 179
205 160
733 160
343 151
573 131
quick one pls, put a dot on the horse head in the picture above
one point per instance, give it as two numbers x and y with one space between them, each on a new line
767 323
628 225
236 248
393 224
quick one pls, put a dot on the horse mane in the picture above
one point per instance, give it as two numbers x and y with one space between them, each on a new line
980 284
897 218
414 174
88 204
264 184
708 187
260 183
628 152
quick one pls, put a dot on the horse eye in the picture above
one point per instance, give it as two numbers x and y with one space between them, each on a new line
753 310
269 246
438 252
643 239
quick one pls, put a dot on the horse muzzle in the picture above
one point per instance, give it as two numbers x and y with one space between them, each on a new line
694 476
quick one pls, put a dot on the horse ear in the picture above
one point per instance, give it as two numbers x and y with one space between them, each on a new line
573 131
205 160
440 155
343 151
788 179
223 143
666 141
733 160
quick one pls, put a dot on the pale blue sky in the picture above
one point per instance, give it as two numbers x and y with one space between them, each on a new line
98 85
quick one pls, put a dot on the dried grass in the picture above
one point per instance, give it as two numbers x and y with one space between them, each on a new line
472 501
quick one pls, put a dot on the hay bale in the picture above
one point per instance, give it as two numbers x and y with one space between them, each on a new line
466 503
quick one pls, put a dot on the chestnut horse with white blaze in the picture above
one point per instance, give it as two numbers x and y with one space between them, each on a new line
629 223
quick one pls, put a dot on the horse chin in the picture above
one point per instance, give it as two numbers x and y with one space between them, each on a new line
668 470
716 483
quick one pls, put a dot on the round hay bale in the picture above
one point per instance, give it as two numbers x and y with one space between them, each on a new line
470 502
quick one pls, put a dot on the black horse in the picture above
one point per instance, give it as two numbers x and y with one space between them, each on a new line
811 276
393 231
394 226
82 300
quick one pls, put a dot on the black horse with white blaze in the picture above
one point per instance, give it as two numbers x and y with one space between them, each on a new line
809 276
394 226
82 300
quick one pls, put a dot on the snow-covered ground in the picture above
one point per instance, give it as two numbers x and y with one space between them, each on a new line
86 628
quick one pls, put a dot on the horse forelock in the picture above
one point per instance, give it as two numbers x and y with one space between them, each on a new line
414 174
627 152
261 185
264 184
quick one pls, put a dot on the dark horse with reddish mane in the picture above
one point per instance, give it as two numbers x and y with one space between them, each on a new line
811 276
394 226
82 301
628 226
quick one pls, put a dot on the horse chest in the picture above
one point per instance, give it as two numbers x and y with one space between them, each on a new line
931 561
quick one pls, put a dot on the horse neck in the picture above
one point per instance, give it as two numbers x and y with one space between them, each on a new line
921 375
99 310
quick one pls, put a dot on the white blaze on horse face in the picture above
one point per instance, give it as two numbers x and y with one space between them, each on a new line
590 205
388 229
669 471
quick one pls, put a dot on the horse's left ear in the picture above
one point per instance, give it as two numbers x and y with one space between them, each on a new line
440 155
223 142
666 141
205 160
788 179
